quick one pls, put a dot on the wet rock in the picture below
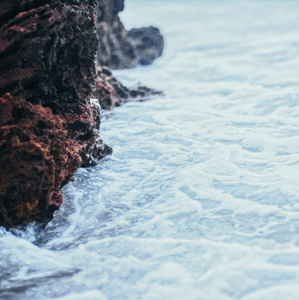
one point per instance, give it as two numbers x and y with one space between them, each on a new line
48 125
110 92
119 48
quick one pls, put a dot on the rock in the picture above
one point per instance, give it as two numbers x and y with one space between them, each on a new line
147 42
110 92
119 48
48 125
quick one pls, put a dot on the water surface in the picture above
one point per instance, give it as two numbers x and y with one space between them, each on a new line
200 198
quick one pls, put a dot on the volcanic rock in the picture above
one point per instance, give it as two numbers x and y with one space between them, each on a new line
48 125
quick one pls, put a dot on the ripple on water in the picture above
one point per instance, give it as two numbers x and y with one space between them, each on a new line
200 198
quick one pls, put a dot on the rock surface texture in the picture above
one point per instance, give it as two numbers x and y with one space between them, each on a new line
119 48
48 126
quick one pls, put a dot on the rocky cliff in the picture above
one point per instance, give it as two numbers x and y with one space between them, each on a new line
119 48
49 126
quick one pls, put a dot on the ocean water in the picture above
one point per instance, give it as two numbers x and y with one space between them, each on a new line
200 199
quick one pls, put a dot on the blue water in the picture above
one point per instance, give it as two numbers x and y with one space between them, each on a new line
200 198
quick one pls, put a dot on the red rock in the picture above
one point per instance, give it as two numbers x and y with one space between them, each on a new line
48 126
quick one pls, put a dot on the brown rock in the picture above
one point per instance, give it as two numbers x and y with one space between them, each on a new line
48 126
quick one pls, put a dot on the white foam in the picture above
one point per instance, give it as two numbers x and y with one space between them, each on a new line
200 198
